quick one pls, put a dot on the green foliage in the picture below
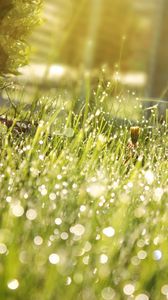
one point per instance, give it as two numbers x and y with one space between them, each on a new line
17 19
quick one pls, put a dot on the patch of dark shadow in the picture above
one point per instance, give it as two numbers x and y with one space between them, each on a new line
3 59
5 7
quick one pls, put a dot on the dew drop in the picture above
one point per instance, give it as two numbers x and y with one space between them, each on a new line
17 210
52 196
31 214
164 290
158 193
157 255
54 259
77 229
86 260
103 258
3 248
38 240
58 221
108 293
109 231
68 280
142 297
142 254
13 284
149 176
129 289
64 236
96 189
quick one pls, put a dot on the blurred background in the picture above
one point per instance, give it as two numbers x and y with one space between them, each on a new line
126 39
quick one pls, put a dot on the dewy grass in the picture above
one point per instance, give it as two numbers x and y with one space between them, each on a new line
76 221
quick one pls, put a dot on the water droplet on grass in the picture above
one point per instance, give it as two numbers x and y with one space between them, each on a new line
96 189
41 157
31 214
86 260
13 284
38 240
82 208
77 229
142 297
58 221
87 246
64 236
109 231
3 248
164 290
54 259
142 254
17 210
149 176
108 293
103 258
157 255
8 199
52 196
129 289
68 280
42 189
158 193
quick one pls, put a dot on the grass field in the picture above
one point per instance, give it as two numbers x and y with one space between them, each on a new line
84 215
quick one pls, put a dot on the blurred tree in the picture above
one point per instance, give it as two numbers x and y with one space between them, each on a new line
17 19
158 85
97 33
90 33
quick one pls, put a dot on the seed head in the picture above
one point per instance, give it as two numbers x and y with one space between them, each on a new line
134 134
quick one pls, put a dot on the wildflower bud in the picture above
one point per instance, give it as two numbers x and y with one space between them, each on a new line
134 134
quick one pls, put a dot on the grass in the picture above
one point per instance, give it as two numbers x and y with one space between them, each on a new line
82 216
